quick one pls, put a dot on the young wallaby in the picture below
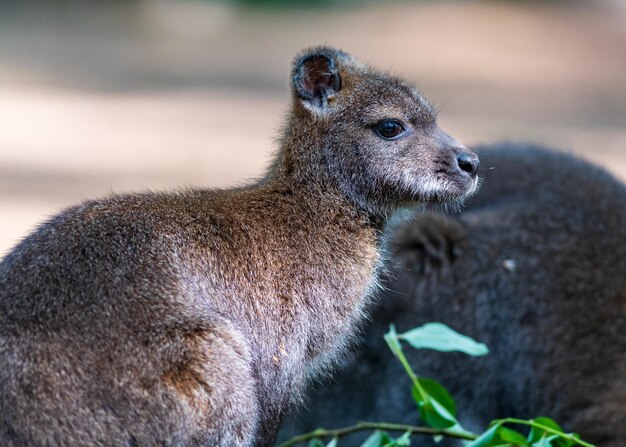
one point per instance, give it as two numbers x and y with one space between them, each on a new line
535 267
195 318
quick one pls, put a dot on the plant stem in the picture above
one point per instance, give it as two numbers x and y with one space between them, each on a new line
361 426
411 373
546 429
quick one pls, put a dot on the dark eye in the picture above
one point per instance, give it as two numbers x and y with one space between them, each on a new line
389 129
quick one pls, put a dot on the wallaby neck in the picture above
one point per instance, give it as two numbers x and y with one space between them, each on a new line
301 166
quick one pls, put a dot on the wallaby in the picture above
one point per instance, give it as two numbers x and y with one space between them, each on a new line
197 317
535 267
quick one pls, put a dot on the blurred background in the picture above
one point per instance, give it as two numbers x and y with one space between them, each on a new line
101 97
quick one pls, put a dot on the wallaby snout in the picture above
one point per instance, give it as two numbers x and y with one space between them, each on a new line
450 168
467 162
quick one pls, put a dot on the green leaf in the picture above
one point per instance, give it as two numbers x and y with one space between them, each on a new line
438 409
438 392
495 422
385 438
559 441
543 442
440 337
458 428
373 440
547 422
333 442
315 442
511 436
537 433
433 414
377 439
417 396
391 338
500 436
488 438
404 440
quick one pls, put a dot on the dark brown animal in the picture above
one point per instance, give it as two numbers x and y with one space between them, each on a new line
197 317
535 267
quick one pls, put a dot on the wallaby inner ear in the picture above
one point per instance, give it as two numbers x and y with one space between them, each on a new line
316 80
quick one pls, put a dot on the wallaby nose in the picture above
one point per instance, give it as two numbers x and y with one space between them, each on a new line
468 162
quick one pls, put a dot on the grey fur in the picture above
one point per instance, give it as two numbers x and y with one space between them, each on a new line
197 317
535 267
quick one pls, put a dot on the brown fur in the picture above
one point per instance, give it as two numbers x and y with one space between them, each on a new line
195 318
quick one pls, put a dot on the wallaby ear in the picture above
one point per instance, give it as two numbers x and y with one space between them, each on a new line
316 78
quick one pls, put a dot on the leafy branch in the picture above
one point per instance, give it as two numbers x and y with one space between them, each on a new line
368 426
437 408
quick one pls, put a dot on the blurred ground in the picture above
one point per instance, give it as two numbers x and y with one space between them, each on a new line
101 97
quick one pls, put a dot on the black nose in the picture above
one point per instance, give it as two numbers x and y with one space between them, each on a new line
468 162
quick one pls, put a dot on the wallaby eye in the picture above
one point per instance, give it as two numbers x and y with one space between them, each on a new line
389 129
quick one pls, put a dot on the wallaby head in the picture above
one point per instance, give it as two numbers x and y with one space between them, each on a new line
370 135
